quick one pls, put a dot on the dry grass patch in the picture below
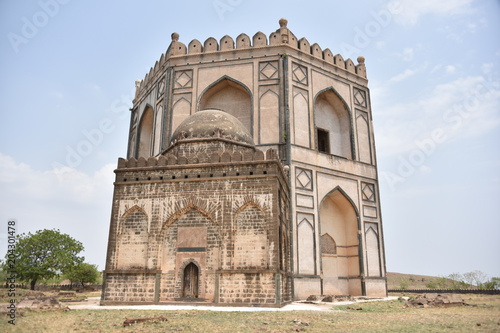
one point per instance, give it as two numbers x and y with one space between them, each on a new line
383 316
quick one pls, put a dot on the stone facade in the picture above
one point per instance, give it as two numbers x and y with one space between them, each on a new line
277 206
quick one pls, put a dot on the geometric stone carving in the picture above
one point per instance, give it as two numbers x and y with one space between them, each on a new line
360 97
368 191
369 226
184 79
161 88
304 178
299 73
268 70
307 218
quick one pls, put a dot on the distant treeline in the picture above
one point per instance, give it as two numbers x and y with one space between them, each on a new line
447 291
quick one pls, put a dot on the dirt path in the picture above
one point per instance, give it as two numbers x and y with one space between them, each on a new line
93 304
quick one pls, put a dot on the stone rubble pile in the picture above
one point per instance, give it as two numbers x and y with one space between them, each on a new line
38 301
330 298
435 300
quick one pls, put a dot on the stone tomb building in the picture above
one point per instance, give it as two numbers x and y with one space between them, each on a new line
250 178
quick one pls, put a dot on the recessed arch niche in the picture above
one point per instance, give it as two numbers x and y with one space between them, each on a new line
229 96
145 135
340 256
333 124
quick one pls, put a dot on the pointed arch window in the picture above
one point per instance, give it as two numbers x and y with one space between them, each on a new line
333 125
328 245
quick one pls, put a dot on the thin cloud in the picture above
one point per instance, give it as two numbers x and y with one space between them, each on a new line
67 199
411 11
460 109
402 76
450 69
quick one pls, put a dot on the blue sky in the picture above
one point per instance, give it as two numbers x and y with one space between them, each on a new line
68 69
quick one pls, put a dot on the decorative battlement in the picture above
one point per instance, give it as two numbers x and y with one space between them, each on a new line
281 37
225 157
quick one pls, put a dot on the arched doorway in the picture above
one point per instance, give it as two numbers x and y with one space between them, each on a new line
190 281
340 245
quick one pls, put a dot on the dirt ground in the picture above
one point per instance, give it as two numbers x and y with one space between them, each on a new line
481 314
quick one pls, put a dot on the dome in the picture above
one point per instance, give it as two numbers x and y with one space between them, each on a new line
212 124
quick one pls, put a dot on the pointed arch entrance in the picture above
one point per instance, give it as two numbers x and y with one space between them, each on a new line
340 254
190 281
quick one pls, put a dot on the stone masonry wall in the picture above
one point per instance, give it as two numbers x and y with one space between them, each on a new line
233 209
137 287
248 288
133 241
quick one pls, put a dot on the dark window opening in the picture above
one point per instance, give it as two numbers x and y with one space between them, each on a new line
323 141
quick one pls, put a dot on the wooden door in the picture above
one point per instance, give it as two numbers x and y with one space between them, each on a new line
190 286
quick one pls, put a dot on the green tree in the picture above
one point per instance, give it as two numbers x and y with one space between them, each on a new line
493 283
45 254
476 278
457 281
83 273
3 274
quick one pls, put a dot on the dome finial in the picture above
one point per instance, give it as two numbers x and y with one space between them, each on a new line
175 37
283 22
361 60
